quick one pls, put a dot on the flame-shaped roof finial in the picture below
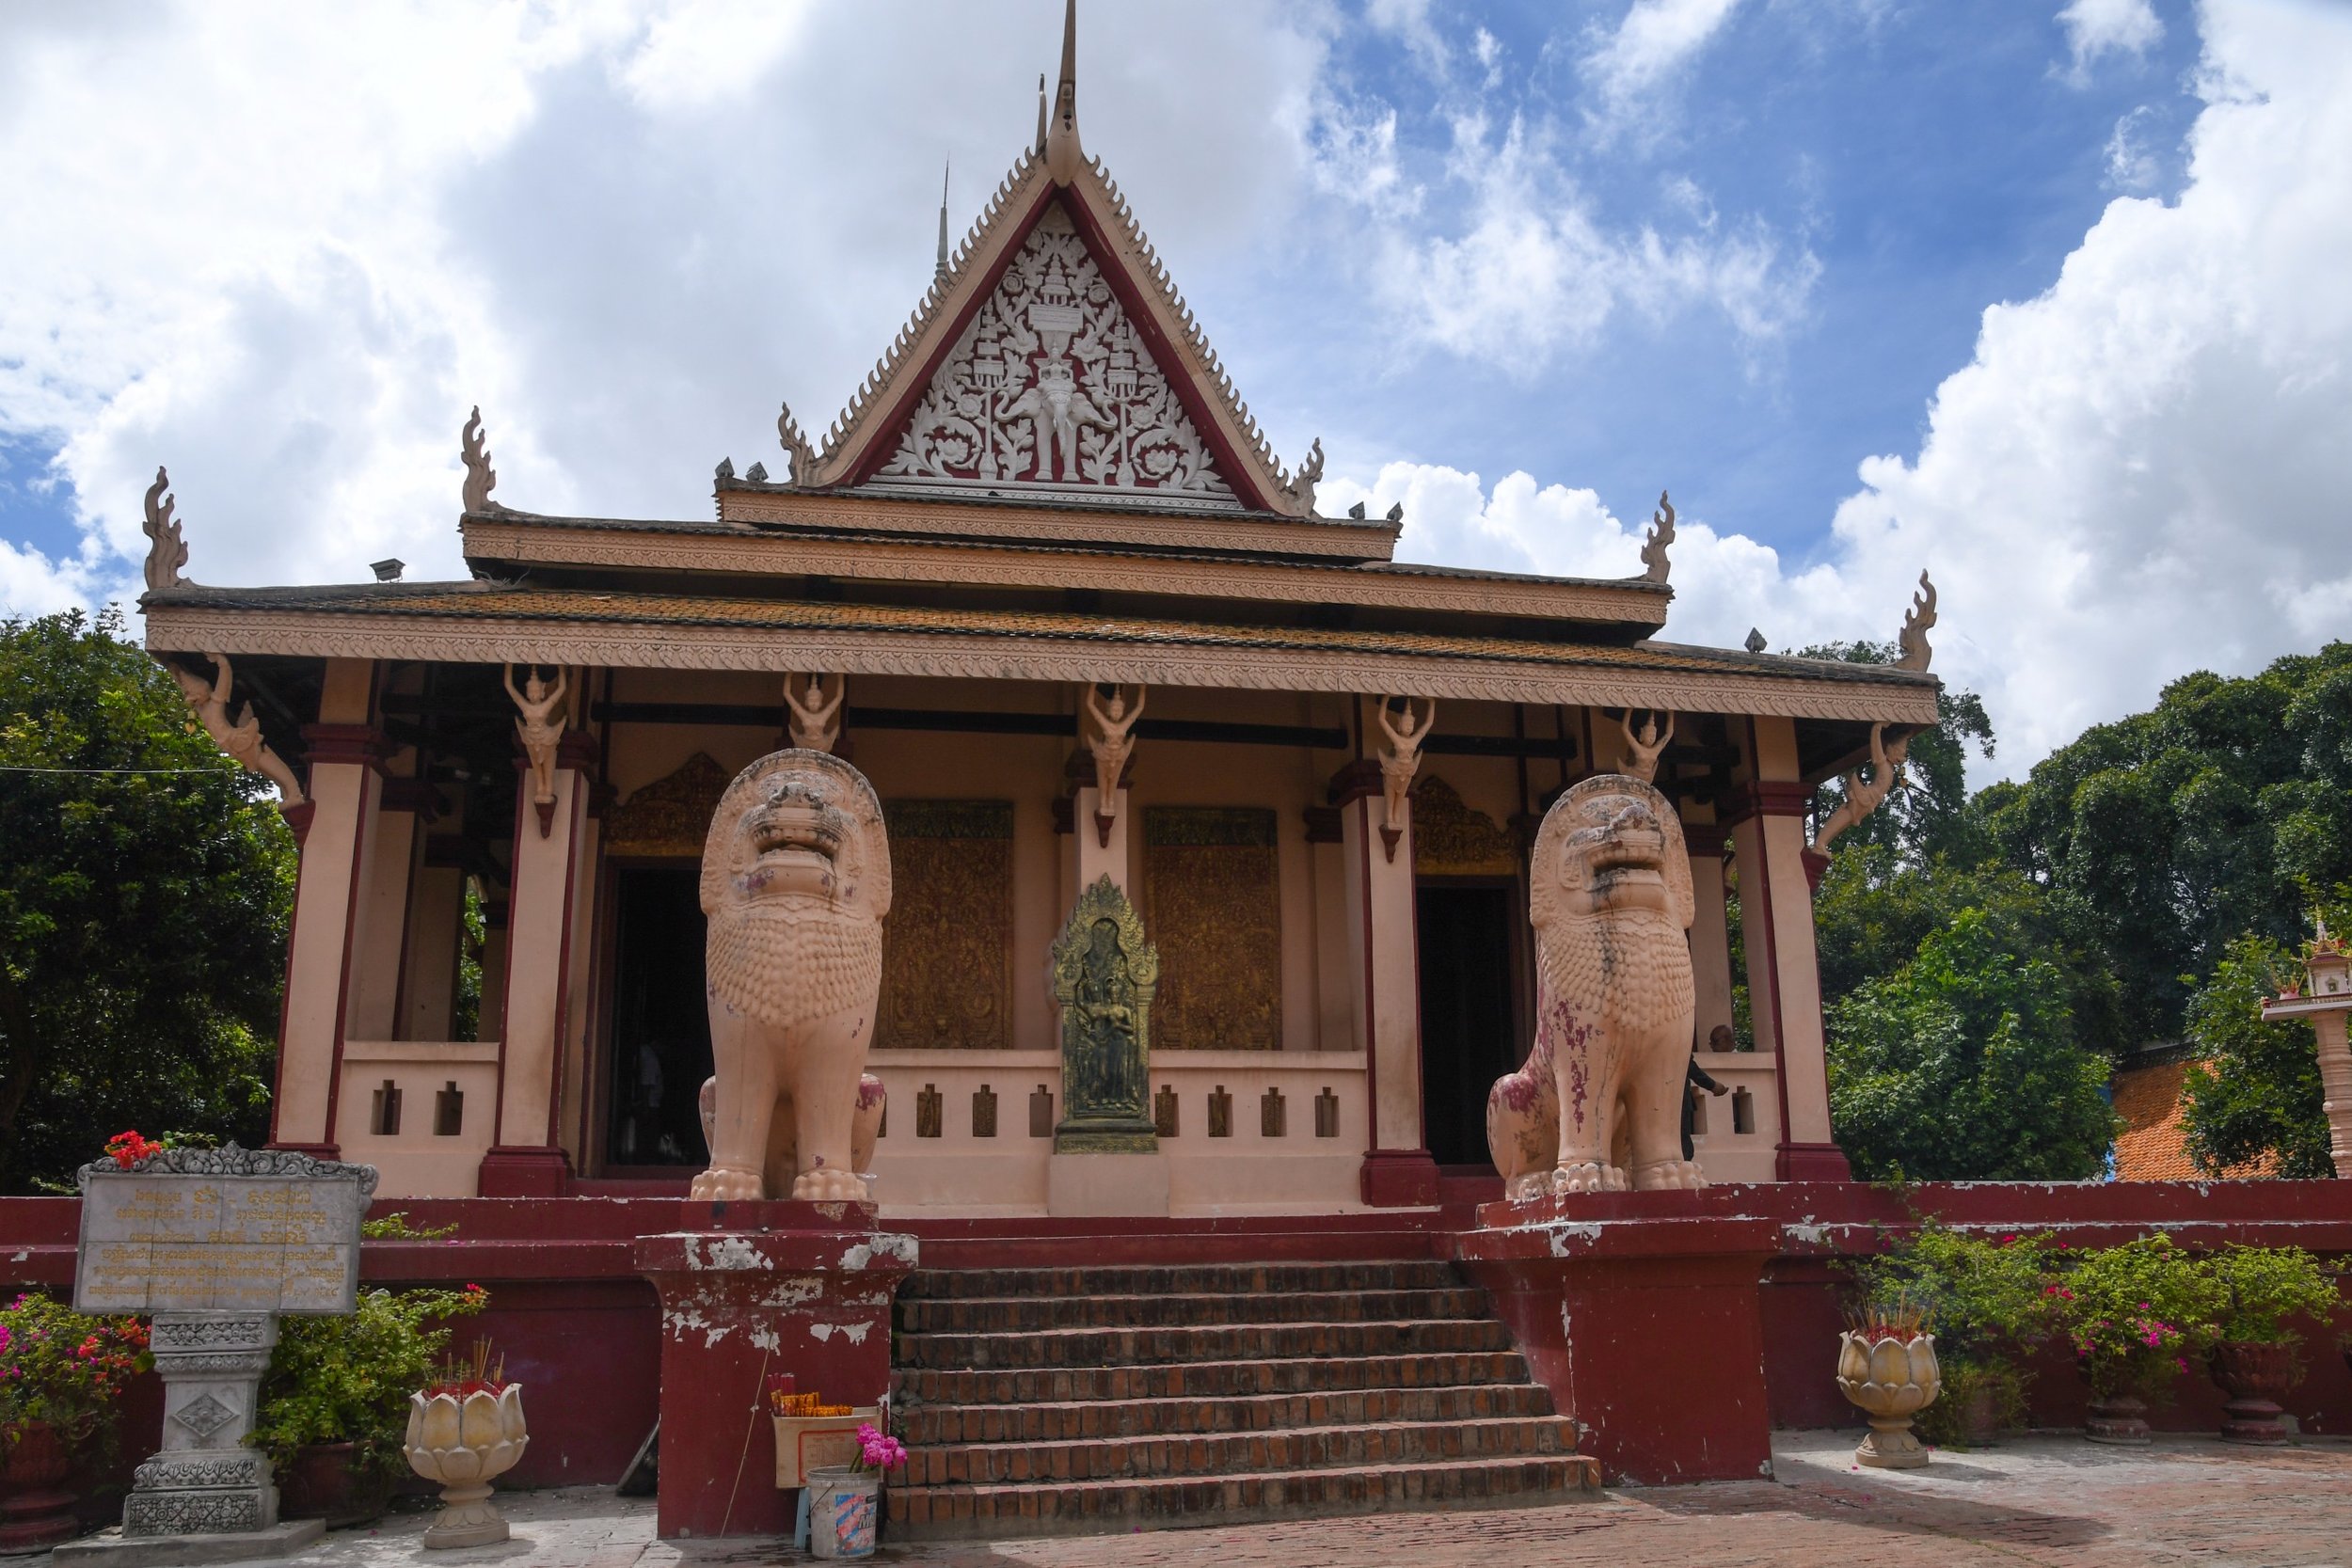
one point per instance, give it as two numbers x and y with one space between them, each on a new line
1063 158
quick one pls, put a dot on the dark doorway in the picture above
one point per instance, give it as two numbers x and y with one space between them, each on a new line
1469 1037
660 1033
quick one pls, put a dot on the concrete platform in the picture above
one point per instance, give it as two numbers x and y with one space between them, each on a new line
2045 1500
113 1549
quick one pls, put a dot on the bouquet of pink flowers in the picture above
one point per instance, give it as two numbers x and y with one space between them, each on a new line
877 1449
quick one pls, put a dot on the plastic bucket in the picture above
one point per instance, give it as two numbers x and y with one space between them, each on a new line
844 1507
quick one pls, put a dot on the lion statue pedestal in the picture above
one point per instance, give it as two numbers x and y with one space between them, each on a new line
795 884
1597 1107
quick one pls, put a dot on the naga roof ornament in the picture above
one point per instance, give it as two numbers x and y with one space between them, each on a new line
1915 653
165 551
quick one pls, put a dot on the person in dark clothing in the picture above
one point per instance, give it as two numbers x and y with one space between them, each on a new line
1695 1078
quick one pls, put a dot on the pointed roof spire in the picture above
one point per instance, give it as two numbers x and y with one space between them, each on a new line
1040 113
1063 157
938 273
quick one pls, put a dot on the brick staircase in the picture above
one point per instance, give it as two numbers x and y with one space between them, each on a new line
1069 1401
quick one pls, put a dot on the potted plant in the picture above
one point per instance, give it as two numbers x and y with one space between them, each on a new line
2256 1356
466 1430
1986 1297
2134 1314
334 1404
61 1375
1887 1366
845 1501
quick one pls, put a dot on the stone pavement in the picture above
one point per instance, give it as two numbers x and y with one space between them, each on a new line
2042 1500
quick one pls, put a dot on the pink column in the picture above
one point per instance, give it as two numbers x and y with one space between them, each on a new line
1384 954
331 828
1767 820
548 879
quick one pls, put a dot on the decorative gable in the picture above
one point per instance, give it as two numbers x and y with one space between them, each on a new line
1051 392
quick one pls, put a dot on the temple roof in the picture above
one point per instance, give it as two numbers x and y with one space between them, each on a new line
492 623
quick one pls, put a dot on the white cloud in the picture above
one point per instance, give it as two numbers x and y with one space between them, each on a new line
284 249
1647 47
2096 27
1533 271
2140 474
2133 166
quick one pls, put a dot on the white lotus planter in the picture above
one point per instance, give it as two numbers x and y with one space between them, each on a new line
464 1445
1889 1379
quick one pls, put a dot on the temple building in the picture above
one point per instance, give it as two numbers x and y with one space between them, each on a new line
1046 585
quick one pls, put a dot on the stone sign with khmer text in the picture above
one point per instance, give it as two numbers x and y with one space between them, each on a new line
216 1244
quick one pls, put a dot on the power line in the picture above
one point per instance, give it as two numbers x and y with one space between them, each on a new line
8 768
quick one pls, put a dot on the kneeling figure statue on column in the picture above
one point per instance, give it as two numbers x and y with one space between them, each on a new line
1598 1105
795 883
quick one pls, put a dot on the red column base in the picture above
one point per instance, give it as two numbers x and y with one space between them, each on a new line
1647 1326
1399 1179
740 1306
1811 1162
524 1170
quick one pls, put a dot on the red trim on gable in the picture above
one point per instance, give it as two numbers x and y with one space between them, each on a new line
1241 476
901 412
1132 299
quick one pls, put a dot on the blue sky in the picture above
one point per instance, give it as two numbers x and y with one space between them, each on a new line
2046 296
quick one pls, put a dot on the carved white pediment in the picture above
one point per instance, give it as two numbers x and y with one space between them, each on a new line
1051 391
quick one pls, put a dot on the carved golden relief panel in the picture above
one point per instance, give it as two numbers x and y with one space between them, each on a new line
1213 906
671 815
947 946
1451 838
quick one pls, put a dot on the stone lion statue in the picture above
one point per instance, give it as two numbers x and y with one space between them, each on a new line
1598 1105
795 884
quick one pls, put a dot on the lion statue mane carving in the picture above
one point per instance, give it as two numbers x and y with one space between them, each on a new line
1597 1107
795 884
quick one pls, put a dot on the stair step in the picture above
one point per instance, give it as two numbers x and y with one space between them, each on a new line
1083 1506
1005 1314
1127 1347
1179 1457
1182 1279
1142 1417
1203 1379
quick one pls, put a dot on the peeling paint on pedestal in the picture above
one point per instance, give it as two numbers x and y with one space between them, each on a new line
887 1245
854 1333
725 1252
1558 1237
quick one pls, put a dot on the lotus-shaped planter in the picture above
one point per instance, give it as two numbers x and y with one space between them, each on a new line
464 1444
1889 1379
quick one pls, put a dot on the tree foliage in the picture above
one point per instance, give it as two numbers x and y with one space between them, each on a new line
2253 1094
1963 1065
145 884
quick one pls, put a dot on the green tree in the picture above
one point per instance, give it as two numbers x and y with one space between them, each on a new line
2224 810
145 884
2255 1093
1963 1065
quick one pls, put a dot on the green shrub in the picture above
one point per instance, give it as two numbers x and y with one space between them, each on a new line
66 1368
1987 1300
2259 1288
2136 1314
348 1378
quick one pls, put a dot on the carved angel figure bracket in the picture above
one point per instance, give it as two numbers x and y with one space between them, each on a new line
1111 743
540 729
242 740
815 707
1643 749
1400 759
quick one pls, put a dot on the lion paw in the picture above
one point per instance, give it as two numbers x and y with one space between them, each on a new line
720 1184
1586 1178
827 1185
1670 1175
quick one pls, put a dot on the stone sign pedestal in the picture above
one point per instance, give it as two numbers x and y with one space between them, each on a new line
798 1288
216 1244
1106 1184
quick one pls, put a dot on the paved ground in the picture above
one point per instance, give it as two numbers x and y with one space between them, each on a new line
2046 1500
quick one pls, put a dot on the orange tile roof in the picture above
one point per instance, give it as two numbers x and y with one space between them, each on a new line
2153 1142
487 600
